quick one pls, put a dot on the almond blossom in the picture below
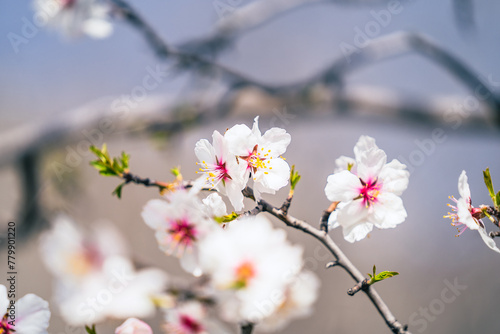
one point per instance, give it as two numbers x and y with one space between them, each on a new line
297 302
222 170
180 221
247 263
31 315
94 278
76 17
261 155
368 188
134 326
466 216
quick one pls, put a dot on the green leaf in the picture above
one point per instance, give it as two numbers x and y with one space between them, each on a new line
489 185
226 218
294 178
90 330
349 166
125 159
176 171
497 197
118 190
381 276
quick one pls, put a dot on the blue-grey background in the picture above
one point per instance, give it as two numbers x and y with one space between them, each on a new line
50 76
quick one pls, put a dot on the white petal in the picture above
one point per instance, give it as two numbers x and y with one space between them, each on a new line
233 190
274 177
370 164
4 301
352 218
364 144
255 127
204 151
134 326
97 28
488 240
276 140
394 177
240 140
215 204
464 215
33 315
463 186
154 213
388 211
342 186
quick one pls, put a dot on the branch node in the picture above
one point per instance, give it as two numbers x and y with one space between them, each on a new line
363 285
331 264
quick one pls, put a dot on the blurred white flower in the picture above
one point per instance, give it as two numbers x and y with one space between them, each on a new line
134 326
180 221
31 315
76 17
188 318
261 155
94 279
466 216
222 170
297 302
248 264
369 189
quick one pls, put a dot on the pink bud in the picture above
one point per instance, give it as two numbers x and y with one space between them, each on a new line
134 326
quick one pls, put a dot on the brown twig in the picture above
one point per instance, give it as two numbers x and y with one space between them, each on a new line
326 214
341 259
247 328
363 285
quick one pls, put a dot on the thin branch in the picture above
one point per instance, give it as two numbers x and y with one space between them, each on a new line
363 285
247 328
326 215
340 257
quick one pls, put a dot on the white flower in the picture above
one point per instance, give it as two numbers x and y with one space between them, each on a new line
134 326
76 17
222 170
297 302
31 316
466 216
369 189
180 221
189 318
248 263
94 279
261 155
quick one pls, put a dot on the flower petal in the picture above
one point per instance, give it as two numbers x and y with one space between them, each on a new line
388 211
154 213
33 315
240 140
204 151
394 177
370 164
276 140
364 144
343 163
463 186
274 177
352 218
488 240
342 186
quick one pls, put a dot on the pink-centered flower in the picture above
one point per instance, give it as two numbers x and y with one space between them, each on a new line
261 155
188 318
180 221
134 326
31 314
465 216
221 168
368 188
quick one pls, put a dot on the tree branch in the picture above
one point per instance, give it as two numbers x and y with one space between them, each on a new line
340 257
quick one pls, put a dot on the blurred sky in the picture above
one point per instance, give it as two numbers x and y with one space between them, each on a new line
51 76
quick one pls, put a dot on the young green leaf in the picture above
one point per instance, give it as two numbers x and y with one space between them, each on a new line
90 330
489 185
118 190
226 218
294 178
384 275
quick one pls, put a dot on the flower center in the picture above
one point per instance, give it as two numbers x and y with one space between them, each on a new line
189 324
182 232
244 273
258 159
81 263
215 172
5 327
67 3
369 192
